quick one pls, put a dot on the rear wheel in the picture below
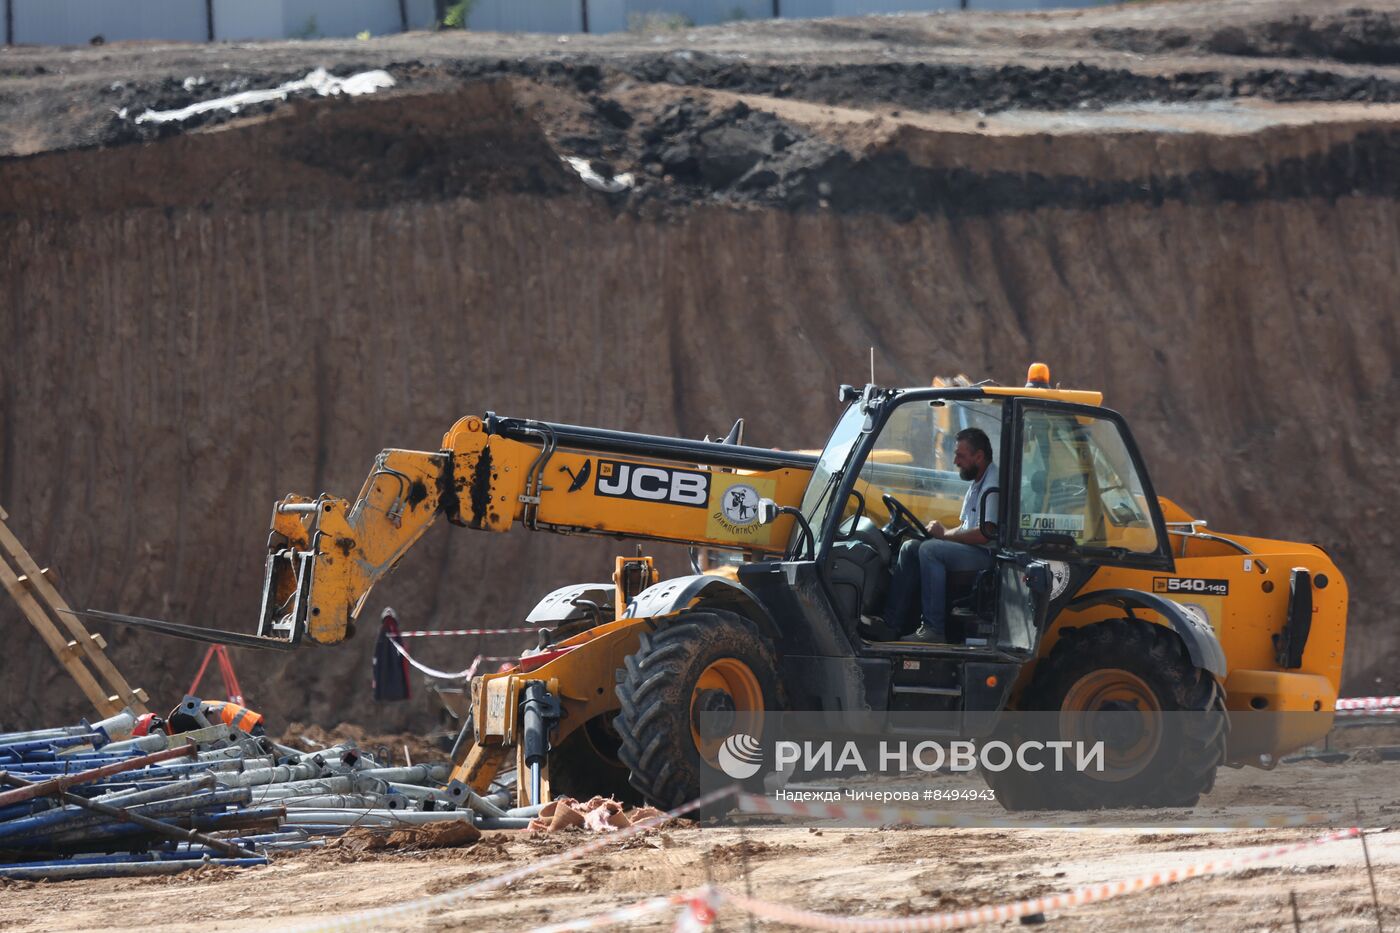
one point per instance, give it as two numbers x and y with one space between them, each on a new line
703 677
1130 685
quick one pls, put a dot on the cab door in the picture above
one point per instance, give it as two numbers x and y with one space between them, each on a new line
1078 491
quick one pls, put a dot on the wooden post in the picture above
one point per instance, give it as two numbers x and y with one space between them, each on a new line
9 22
403 15
583 9
209 18
41 604
777 9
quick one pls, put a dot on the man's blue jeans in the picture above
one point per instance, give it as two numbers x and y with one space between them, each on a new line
921 576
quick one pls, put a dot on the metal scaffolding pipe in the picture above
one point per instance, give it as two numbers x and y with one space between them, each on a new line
240 819
338 802
415 774
20 749
502 822
60 784
280 774
220 732
103 828
377 817
67 817
119 869
117 726
155 826
415 792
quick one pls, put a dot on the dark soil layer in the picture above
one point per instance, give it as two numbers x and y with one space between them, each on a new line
1357 36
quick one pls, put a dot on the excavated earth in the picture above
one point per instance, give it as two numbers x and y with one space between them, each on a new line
1189 205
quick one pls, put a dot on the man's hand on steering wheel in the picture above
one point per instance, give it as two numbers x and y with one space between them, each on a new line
902 520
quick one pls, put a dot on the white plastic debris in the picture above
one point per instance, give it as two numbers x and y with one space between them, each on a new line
320 81
597 182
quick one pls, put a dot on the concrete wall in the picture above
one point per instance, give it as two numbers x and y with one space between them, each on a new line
74 22
527 16
618 15
70 22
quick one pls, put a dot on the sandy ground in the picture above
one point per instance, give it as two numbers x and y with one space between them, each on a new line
867 872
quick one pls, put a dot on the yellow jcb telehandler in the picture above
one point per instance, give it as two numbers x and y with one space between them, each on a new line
1101 595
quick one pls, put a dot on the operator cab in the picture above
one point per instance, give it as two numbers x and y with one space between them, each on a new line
1073 497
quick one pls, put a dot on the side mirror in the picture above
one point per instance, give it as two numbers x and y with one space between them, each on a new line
767 511
848 394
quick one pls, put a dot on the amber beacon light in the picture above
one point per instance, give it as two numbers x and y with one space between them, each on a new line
1038 376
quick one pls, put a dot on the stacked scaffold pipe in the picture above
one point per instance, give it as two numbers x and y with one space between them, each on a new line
92 801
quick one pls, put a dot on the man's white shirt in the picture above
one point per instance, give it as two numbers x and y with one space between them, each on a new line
972 502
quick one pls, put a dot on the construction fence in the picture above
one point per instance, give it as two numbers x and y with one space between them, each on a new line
77 22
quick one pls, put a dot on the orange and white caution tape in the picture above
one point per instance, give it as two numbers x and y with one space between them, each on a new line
884 816
377 917
812 920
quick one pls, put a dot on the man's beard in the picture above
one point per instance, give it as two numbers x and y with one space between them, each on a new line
968 473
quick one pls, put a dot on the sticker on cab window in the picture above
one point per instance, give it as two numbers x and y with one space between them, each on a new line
1052 523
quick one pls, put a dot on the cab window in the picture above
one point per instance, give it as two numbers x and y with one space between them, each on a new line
1079 485
912 459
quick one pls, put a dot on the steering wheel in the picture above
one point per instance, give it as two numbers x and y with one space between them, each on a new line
901 519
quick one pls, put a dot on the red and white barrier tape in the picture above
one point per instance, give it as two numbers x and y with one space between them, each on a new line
472 631
1369 706
809 919
884 816
466 674
377 917
698 913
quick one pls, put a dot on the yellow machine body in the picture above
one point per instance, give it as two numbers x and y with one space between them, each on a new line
326 554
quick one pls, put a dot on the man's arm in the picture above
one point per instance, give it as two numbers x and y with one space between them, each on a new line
960 535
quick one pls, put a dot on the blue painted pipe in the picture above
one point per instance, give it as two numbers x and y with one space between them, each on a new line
110 869
206 822
175 811
66 765
54 820
28 808
55 757
62 764
41 745
165 771
103 859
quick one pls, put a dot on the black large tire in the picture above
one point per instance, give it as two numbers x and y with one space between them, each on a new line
1172 771
586 765
658 695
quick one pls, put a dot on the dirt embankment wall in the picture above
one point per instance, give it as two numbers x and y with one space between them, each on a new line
172 367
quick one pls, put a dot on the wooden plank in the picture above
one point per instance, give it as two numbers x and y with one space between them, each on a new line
56 642
105 668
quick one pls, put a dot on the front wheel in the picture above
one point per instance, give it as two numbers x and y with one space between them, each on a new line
1131 686
586 765
692 700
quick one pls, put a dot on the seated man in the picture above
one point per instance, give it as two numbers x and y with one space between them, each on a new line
922 567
